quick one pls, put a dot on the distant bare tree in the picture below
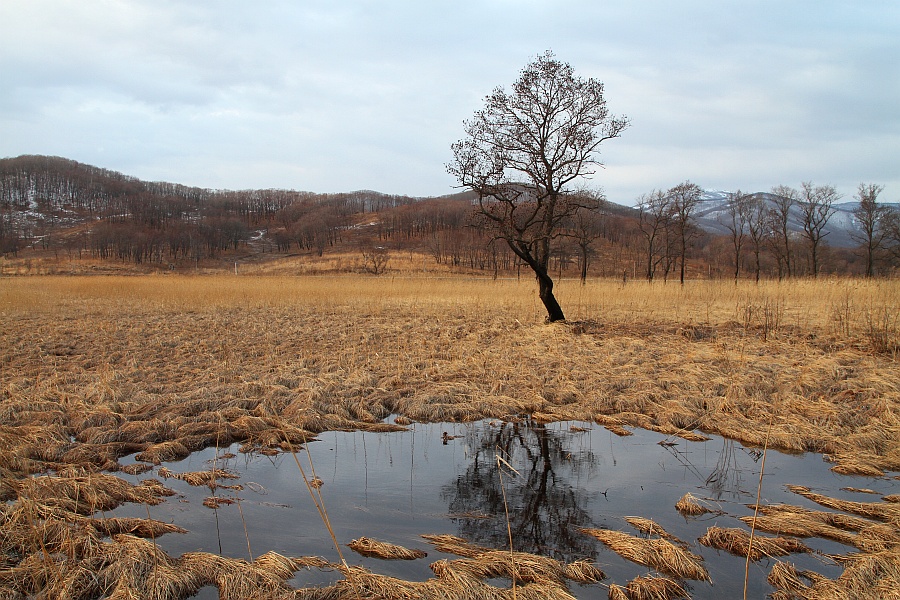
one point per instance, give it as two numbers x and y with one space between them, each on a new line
756 229
779 215
586 227
738 213
684 199
654 215
892 242
524 149
375 259
816 209
871 218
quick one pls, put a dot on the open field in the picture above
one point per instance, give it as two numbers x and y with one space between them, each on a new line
94 368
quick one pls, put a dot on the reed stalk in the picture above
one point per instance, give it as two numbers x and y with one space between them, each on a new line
762 469
501 462
314 491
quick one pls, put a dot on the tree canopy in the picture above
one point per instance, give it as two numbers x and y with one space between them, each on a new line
524 153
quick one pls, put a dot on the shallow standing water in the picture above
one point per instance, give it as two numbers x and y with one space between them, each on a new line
444 478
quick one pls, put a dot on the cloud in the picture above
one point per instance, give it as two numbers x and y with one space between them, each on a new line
365 94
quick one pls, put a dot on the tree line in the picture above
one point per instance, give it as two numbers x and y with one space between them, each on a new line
77 210
782 233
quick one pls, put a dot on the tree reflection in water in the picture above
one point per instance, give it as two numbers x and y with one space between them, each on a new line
547 498
725 481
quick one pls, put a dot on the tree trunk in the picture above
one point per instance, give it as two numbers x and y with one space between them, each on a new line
554 311
584 265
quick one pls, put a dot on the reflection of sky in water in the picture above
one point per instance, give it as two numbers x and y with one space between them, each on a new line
398 486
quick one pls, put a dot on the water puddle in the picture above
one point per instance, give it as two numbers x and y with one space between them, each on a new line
445 478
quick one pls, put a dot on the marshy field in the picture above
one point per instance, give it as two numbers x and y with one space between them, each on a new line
137 411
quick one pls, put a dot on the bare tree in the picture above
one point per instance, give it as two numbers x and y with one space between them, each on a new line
684 198
871 218
523 151
892 232
654 216
738 212
586 227
779 215
375 259
816 209
756 229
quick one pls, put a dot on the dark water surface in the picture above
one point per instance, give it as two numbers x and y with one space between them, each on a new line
397 486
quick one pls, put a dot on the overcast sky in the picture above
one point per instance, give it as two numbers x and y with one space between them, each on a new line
335 95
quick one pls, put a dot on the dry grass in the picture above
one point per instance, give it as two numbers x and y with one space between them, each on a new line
888 512
869 575
95 368
689 506
657 554
451 544
866 535
737 541
198 478
650 587
653 587
650 527
374 548
484 563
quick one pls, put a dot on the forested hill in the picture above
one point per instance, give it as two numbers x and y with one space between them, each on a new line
57 209
47 184
68 210
60 204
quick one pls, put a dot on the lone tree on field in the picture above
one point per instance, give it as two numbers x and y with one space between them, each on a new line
522 153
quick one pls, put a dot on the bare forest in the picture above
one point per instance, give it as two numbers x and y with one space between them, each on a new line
60 216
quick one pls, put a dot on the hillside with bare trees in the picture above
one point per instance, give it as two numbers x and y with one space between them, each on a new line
61 216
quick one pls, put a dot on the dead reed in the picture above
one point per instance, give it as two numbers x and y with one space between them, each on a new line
888 512
481 563
865 575
654 587
451 544
657 554
198 478
650 527
862 533
384 550
737 541
689 506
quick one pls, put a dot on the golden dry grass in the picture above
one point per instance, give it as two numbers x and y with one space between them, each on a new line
649 527
864 534
658 554
881 511
384 550
866 575
655 587
689 506
738 542
95 368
